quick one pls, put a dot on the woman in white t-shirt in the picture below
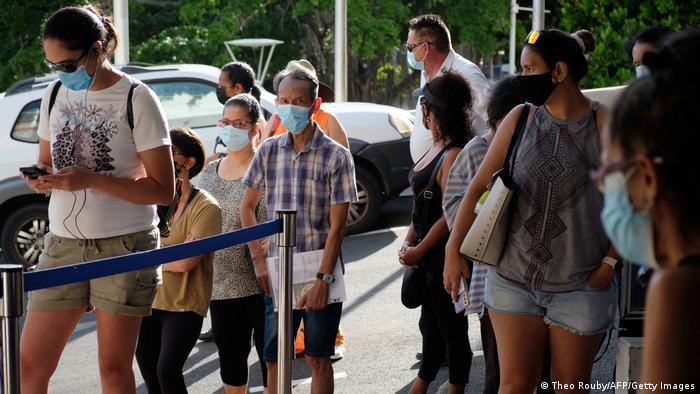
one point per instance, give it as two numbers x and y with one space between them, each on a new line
108 169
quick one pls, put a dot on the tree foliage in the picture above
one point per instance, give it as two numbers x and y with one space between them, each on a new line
614 23
193 31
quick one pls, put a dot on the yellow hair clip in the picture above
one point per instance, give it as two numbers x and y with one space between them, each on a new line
533 36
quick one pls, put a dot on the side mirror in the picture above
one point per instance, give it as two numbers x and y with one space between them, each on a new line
27 124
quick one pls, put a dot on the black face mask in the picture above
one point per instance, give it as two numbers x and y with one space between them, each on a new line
536 89
221 95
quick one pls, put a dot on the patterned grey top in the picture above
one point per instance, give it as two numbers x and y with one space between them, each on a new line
234 276
556 235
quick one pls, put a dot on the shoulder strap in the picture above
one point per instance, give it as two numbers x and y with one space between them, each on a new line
130 106
54 93
428 191
509 162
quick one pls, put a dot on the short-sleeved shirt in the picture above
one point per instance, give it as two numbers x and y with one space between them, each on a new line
460 176
234 275
310 181
94 134
190 291
421 138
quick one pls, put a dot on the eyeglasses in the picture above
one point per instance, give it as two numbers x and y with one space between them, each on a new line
627 167
411 47
66 67
238 123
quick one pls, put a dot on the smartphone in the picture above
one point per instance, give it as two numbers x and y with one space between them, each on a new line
33 172
463 298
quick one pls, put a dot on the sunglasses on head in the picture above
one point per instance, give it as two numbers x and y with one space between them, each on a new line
68 66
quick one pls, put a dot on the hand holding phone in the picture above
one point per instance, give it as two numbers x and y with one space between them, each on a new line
33 172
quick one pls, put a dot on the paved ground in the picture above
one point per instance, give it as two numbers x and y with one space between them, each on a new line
382 335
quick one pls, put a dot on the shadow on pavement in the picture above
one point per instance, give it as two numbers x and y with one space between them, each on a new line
358 247
371 293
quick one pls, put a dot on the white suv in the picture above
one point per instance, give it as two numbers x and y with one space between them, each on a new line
378 134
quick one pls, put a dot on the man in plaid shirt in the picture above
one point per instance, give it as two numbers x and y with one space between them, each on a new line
306 171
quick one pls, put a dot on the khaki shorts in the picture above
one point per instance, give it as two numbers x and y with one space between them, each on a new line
129 294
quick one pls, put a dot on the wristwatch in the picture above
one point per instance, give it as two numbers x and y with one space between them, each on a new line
328 278
613 263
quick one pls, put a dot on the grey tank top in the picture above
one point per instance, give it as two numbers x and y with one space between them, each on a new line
556 236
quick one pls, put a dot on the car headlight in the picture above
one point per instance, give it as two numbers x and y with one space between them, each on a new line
402 124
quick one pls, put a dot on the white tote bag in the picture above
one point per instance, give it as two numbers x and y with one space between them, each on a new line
488 234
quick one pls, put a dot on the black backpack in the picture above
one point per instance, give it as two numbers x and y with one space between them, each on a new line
129 105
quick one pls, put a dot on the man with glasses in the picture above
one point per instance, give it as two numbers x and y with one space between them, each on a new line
429 49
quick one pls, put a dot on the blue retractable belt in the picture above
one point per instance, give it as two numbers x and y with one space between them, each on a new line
116 265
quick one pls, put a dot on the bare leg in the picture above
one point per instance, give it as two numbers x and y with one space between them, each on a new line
572 357
235 389
116 344
420 386
41 348
272 378
321 374
521 342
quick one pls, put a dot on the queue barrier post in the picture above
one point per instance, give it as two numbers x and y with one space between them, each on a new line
11 309
286 241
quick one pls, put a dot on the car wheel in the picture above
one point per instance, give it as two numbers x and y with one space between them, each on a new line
23 234
365 212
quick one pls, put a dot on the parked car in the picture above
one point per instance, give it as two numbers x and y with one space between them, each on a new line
378 134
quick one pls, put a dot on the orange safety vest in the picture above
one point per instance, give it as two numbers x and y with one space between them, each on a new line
320 116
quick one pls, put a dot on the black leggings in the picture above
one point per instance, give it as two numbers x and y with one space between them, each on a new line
232 322
444 332
165 341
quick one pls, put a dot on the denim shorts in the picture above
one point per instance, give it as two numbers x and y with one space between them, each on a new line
586 311
320 328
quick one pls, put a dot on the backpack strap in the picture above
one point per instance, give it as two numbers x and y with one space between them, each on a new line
129 101
130 106
54 93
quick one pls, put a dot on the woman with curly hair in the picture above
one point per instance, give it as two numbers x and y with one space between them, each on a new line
446 103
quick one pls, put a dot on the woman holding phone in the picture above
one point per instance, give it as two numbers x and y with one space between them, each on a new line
108 172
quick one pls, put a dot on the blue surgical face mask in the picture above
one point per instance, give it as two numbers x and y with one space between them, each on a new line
642 71
415 64
234 138
78 79
293 117
630 231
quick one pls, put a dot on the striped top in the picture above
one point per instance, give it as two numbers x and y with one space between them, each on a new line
461 174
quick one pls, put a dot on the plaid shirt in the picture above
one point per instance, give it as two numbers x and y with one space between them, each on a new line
461 174
310 181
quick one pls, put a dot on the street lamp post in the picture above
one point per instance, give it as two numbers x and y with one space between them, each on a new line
341 51
538 13
121 21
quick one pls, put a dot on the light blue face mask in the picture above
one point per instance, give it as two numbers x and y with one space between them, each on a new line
78 79
630 231
415 64
293 117
234 138
642 71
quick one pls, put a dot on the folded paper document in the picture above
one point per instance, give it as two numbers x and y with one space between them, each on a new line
305 267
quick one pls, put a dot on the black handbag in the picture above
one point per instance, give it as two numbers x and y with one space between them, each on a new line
414 279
